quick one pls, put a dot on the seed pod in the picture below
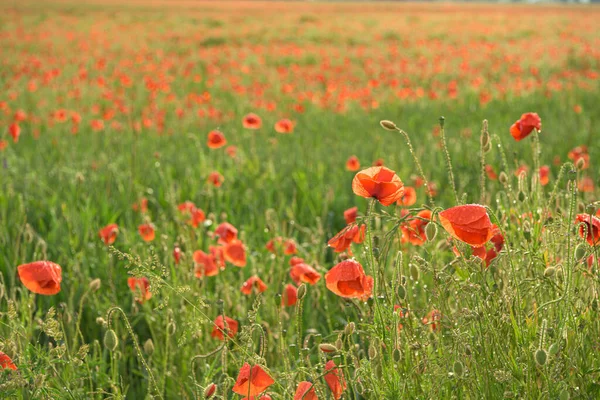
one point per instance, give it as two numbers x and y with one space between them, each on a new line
301 292
431 230
388 125
210 391
110 340
95 285
541 356
149 347
402 292
458 369
550 271
580 251
415 272
328 348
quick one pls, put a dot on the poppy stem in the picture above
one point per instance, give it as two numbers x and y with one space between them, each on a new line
448 161
418 164
485 137
373 265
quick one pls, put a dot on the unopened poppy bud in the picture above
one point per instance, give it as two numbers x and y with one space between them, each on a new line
503 178
415 272
349 330
580 207
396 355
210 391
388 125
541 356
149 347
338 343
100 321
301 292
402 292
487 147
442 119
458 369
553 349
95 285
590 209
327 348
485 139
580 251
550 271
110 340
171 328
521 196
372 352
431 230
564 394
580 163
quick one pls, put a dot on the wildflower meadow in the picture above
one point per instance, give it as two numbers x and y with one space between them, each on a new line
299 200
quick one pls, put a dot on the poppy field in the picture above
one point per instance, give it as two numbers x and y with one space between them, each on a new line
303 200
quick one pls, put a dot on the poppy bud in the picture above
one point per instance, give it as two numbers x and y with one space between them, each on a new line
301 291
149 347
339 344
550 271
564 395
349 329
458 369
580 251
488 147
100 321
442 119
503 178
554 348
541 356
95 285
580 163
431 230
521 196
415 272
485 139
327 348
372 352
171 328
580 207
396 355
110 340
210 390
388 125
402 292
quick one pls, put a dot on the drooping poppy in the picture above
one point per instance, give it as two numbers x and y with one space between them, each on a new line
252 381
380 183
303 273
589 228
177 255
348 279
147 232
409 198
305 391
254 282
350 215
468 223
414 230
252 121
204 264
289 296
284 126
343 239
525 125
6 362
352 164
226 233
14 130
109 233
234 252
41 277
215 179
140 288
334 379
544 173
216 139
219 327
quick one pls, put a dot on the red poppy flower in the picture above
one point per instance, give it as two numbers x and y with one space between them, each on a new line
141 206
20 115
177 255
219 328
523 127
41 277
186 207
289 247
3 145
343 239
414 230
215 178
402 313
251 283
226 233
380 183
433 319
14 130
580 153
6 362
544 175
235 253
289 296
140 288
252 121
468 223
147 232
378 162
304 273
231 151
586 185
409 198
335 380
347 279
284 126
350 215
591 231
352 164
109 233
217 253
197 217
216 139
204 264
305 391
296 260
252 381
491 174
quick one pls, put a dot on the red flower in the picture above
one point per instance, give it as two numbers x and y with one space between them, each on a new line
305 391
335 380
177 255
433 320
6 362
491 174
197 217
544 175
216 139
468 223
284 126
352 164
350 215
580 153
226 233
380 183
289 247
347 279
523 127
253 282
252 381
414 231
204 264
141 206
290 295
219 328
304 273
14 131
235 253
109 233
141 288
186 207
41 277
252 121
3 145
591 230
215 178
147 232
409 198
343 239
